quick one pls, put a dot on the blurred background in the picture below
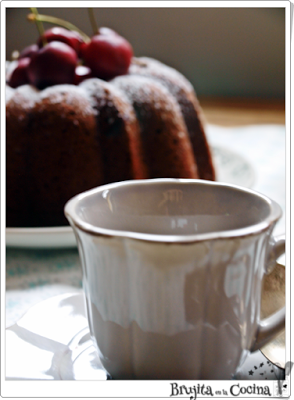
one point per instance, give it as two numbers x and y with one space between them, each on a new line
224 52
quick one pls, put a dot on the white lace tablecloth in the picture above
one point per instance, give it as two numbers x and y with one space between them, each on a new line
33 275
264 146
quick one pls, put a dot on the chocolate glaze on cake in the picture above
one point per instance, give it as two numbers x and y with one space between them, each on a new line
66 139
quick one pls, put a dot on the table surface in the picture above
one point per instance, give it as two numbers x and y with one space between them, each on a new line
255 128
240 112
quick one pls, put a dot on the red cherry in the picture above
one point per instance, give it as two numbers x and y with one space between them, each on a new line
19 75
83 46
108 55
54 64
102 31
58 34
81 73
28 51
107 31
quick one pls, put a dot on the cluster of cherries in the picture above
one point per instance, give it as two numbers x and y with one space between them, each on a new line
62 56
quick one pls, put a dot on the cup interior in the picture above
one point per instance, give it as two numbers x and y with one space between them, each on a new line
172 207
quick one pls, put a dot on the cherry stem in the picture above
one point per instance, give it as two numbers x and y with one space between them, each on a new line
39 24
93 21
58 21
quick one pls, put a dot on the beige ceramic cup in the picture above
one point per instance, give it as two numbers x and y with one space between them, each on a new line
173 275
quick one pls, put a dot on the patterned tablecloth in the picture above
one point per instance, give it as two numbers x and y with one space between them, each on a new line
33 275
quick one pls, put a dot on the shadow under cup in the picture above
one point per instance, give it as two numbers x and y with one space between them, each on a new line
172 274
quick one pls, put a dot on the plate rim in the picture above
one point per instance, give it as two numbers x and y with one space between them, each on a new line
33 231
59 237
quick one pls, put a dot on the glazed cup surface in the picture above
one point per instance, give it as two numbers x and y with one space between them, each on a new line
172 274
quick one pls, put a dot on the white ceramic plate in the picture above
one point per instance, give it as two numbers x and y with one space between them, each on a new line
52 341
230 168
56 237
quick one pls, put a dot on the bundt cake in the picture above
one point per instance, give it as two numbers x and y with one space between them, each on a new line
66 138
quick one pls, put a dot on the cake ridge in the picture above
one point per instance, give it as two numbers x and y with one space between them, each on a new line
183 91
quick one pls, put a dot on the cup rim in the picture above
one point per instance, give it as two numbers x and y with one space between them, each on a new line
75 220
